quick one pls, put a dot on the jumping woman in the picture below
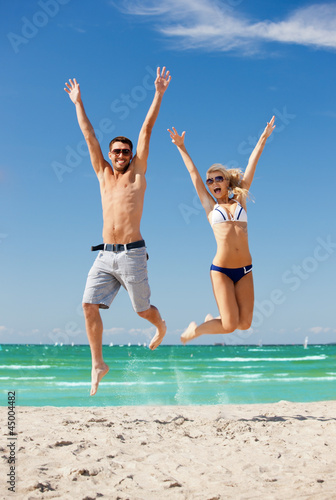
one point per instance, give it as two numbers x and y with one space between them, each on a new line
225 207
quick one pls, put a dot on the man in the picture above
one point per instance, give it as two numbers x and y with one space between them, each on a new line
123 258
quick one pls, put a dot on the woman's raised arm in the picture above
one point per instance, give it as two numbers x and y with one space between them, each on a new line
206 199
256 153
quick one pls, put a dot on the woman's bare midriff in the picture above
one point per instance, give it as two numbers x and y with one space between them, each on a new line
232 245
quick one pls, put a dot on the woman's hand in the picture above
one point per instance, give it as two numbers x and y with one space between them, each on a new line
269 127
176 138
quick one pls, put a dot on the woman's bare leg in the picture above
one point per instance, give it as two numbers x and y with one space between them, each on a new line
245 299
235 304
224 292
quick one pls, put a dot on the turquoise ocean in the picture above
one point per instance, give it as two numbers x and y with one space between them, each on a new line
47 375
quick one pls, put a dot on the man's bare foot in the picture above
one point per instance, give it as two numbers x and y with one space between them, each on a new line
189 333
158 337
96 375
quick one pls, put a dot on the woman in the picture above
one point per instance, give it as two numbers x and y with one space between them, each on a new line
225 207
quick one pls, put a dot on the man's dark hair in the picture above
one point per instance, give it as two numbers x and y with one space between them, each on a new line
123 140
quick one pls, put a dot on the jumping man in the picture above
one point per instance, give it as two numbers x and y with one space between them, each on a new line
122 259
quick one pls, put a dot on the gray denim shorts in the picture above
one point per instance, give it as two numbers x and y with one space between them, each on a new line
111 270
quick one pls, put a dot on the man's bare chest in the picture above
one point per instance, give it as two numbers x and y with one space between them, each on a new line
123 192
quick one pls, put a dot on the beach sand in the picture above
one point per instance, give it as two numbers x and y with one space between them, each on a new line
272 451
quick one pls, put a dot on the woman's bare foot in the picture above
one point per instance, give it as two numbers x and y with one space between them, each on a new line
158 337
189 333
97 374
208 317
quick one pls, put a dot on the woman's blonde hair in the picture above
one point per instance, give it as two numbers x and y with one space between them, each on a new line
233 175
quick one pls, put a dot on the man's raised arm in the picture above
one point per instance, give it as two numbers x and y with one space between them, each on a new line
96 155
161 84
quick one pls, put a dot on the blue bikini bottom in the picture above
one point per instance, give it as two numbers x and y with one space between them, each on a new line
235 274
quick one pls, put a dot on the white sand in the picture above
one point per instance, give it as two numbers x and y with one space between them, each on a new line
279 451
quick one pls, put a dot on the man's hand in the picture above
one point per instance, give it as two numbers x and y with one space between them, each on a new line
96 155
176 138
73 90
162 80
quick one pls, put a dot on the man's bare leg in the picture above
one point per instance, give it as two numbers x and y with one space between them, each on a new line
153 316
94 329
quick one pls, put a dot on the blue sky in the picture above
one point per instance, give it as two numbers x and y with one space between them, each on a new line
233 64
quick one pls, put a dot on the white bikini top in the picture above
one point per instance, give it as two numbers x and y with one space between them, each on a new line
219 214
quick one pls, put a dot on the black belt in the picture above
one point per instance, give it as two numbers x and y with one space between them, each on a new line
118 247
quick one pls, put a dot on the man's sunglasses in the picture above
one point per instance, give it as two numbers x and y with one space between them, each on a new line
126 152
218 178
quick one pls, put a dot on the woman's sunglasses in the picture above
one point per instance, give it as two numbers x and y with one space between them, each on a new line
218 178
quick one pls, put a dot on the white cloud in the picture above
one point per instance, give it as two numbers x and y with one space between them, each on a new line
316 329
321 329
72 27
141 333
114 331
214 25
146 331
